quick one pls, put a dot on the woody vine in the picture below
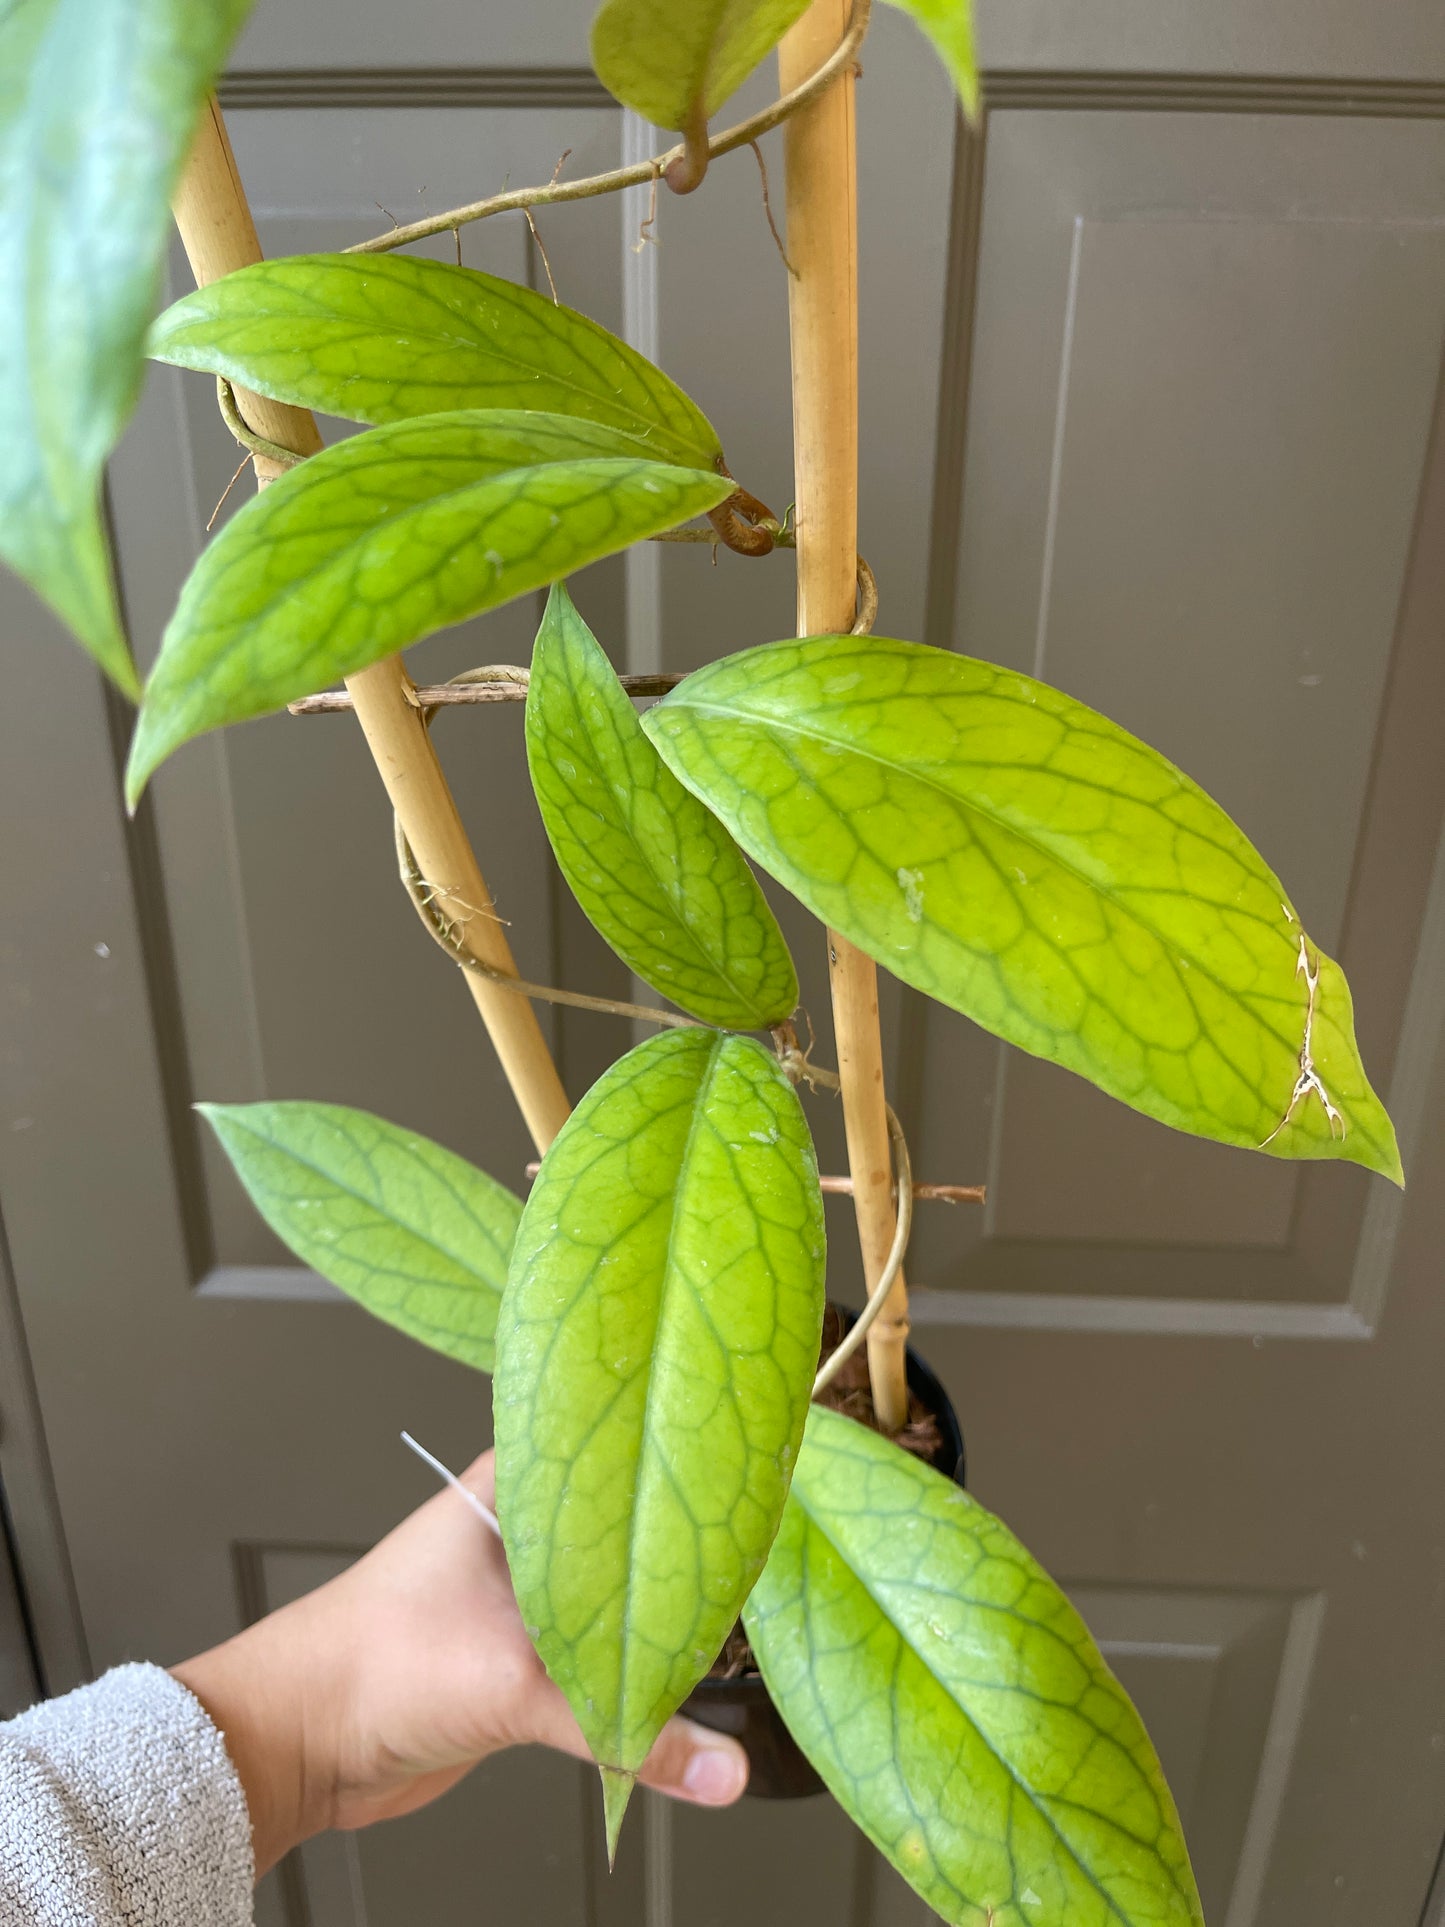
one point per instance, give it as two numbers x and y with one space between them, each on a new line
652 1313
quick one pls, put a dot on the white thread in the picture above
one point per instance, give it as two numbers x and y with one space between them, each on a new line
488 1518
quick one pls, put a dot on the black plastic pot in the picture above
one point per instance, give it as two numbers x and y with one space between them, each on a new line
778 1767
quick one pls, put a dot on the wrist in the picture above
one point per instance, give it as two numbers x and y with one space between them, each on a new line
272 1716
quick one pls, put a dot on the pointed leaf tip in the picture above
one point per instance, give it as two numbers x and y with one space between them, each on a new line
616 1792
667 62
97 112
140 765
949 25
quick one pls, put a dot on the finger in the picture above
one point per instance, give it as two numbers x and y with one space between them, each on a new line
693 1763
479 1480
481 1477
688 1761
478 1484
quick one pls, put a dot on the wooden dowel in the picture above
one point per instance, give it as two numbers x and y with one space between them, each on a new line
404 754
220 236
819 145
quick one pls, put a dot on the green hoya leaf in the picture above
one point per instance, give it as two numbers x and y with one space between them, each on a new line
655 1354
97 107
655 871
414 1233
677 65
373 544
949 25
954 1704
1021 858
382 337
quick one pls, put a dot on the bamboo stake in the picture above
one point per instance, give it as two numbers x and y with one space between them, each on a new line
220 236
820 148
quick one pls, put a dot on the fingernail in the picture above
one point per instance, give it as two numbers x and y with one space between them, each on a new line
715 1774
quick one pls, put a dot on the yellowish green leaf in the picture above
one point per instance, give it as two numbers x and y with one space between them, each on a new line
1021 858
655 1352
954 1703
411 1231
949 25
655 871
383 337
98 104
372 545
673 64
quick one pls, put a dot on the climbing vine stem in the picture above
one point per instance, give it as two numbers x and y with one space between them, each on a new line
799 1066
639 173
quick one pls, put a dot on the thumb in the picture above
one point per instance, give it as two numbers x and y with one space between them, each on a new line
693 1763
688 1761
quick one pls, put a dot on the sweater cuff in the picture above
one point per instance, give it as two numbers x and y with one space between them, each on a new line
132 1772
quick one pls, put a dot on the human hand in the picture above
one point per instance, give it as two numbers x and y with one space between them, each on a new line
374 1694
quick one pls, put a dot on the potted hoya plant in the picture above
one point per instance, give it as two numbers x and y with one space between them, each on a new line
683 1487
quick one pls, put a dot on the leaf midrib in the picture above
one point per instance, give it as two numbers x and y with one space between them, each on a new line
475 345
1168 945
360 1197
1034 1799
750 1001
679 1191
348 549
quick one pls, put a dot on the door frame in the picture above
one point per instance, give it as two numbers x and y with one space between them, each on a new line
38 1602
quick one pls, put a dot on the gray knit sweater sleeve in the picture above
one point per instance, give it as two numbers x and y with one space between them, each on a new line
119 1807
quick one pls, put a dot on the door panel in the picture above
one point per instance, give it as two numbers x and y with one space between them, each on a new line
1205 352
18 1684
1150 406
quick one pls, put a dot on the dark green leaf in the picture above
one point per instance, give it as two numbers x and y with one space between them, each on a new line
655 1353
949 25
671 64
382 337
655 871
97 108
1020 857
373 544
954 1703
414 1233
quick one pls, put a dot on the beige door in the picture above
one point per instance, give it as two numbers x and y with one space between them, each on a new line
1150 405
